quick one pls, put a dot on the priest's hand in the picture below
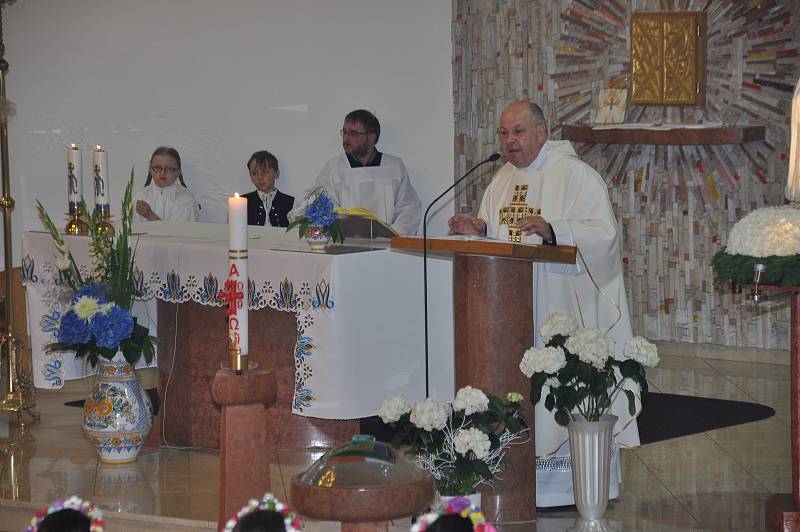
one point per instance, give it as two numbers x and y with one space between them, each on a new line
143 209
464 223
535 225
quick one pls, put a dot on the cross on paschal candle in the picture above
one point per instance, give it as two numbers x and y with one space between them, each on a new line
233 296
516 211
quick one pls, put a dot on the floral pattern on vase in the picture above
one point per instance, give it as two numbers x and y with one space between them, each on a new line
118 415
317 237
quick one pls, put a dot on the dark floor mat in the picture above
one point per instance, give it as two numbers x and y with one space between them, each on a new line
665 416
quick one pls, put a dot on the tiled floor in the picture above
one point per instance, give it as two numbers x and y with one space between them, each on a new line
717 480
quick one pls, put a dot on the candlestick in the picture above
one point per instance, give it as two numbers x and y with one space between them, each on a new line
100 168
102 208
237 285
76 225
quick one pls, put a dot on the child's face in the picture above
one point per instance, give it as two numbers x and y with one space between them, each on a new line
164 170
263 177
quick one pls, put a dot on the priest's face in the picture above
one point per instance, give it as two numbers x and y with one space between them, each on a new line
164 170
356 142
520 138
263 177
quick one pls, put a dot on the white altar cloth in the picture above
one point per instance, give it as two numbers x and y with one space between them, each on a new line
359 315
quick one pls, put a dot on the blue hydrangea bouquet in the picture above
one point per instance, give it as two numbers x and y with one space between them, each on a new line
98 321
318 214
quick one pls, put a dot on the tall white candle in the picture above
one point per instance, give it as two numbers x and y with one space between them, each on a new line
74 176
100 172
237 275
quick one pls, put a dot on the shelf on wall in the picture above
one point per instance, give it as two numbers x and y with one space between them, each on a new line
674 136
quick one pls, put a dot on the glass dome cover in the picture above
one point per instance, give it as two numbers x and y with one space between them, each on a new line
362 463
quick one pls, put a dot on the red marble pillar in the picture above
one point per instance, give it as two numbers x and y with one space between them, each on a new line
244 456
783 510
493 316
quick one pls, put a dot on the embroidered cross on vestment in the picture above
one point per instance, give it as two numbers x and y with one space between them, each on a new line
516 211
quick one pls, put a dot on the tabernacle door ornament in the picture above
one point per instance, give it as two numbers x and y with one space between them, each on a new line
516 211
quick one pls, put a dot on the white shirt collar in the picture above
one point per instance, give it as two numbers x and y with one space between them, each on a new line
538 162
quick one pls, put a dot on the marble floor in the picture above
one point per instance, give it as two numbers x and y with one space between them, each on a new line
717 480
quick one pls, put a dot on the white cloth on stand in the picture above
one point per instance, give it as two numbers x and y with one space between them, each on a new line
174 203
384 190
573 198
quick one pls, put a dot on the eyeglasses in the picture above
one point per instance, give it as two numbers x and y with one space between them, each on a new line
164 169
351 133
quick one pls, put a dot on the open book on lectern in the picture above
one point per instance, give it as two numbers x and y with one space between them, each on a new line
361 223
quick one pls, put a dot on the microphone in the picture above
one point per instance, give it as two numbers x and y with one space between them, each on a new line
492 158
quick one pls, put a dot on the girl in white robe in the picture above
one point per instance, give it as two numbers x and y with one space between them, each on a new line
164 196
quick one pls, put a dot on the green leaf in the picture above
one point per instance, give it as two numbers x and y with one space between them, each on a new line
562 418
537 382
631 402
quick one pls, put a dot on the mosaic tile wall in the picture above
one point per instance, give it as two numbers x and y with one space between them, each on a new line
676 204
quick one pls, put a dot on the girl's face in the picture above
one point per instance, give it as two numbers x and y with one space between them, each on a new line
164 169
263 177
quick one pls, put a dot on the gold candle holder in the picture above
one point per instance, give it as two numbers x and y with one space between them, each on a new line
77 221
238 362
103 220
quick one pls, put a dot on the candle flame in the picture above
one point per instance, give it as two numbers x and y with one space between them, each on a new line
73 146
98 148
235 194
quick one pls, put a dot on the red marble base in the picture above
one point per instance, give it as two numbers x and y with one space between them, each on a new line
493 316
244 460
190 416
781 515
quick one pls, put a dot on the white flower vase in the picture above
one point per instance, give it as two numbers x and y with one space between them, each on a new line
317 237
590 446
117 416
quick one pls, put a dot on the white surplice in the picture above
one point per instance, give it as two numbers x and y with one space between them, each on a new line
793 180
384 190
173 202
574 199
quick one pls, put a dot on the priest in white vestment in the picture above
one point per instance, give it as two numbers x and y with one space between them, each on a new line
574 210
364 177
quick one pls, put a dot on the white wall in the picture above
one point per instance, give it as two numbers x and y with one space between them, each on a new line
218 81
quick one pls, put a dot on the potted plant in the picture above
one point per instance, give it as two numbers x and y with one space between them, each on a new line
583 381
463 443
99 327
319 221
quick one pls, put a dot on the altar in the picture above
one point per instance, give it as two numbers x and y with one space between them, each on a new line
357 313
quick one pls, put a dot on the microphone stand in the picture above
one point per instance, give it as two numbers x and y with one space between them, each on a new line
493 157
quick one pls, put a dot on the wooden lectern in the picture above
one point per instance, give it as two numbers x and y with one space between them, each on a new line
493 322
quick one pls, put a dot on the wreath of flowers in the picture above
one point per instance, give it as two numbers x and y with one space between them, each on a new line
291 520
457 505
95 515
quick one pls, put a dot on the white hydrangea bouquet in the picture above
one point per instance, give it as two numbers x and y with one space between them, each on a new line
770 236
462 444
581 376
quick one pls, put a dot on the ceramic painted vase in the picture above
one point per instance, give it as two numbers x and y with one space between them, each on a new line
317 237
117 415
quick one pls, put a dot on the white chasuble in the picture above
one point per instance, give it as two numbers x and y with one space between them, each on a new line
384 190
173 202
573 198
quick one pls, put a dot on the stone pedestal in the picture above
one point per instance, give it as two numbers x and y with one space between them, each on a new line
783 510
244 455
493 307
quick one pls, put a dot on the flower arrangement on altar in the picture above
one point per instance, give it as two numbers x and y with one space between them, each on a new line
319 217
579 372
98 321
462 444
770 236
